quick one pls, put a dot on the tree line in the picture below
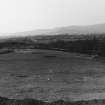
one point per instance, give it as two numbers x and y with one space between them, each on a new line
91 45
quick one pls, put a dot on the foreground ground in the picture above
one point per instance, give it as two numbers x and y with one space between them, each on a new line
51 75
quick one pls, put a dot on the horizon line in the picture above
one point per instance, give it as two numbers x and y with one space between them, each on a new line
51 28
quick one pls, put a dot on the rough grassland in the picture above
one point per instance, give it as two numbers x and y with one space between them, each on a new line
50 76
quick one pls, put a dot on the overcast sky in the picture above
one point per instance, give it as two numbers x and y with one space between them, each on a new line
24 15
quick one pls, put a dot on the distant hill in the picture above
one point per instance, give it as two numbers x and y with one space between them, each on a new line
70 30
96 29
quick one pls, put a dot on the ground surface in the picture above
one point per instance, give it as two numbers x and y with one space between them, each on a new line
51 75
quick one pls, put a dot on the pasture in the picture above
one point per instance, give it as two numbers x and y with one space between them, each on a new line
51 75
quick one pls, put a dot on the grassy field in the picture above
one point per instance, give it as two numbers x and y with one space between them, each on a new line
51 75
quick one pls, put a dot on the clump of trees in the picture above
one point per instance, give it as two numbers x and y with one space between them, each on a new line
86 44
91 46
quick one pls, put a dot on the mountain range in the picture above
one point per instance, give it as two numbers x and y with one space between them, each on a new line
70 30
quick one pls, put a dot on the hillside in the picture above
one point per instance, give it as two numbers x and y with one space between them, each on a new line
77 30
70 30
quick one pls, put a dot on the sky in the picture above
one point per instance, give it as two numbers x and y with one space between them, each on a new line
25 15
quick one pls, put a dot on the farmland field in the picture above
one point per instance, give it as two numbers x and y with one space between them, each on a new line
51 75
